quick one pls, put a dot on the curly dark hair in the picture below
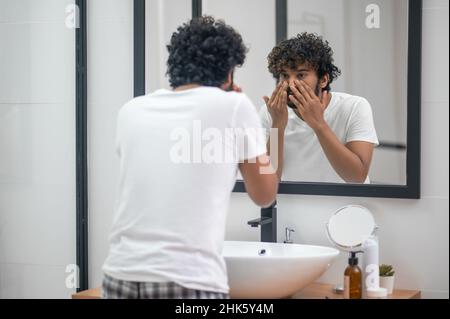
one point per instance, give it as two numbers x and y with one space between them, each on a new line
304 48
203 51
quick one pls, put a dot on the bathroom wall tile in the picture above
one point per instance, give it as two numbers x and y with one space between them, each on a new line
435 54
110 63
25 11
23 281
37 62
110 53
110 10
435 153
37 183
38 141
433 4
37 224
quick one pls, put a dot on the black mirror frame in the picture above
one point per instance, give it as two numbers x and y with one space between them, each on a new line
413 151
412 187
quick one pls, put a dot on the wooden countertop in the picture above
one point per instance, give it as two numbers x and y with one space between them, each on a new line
325 291
313 291
95 293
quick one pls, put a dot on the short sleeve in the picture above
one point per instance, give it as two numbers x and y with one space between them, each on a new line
361 125
264 115
249 132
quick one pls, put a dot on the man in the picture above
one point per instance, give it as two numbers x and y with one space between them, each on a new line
323 136
168 230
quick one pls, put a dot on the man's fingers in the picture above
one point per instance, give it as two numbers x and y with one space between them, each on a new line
284 100
277 99
274 93
237 88
283 90
266 100
305 89
297 103
297 94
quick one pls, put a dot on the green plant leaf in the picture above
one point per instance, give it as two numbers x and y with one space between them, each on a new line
386 270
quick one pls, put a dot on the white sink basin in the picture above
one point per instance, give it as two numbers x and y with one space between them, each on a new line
279 271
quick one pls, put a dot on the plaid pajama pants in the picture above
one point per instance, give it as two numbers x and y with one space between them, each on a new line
118 289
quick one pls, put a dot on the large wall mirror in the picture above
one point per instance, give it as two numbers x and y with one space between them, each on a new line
376 46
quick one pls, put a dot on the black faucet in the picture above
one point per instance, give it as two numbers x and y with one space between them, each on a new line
268 223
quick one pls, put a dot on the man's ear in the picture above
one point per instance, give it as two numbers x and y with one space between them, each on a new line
324 81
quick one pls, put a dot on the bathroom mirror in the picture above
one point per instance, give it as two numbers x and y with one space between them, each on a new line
377 47
376 44
369 40
350 226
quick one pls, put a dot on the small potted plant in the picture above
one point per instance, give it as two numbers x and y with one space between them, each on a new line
387 277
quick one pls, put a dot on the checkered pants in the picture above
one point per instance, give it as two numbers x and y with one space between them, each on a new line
119 289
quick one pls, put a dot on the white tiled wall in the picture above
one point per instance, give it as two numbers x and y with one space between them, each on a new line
37 142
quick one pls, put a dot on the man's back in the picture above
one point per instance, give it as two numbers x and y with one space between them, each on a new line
178 162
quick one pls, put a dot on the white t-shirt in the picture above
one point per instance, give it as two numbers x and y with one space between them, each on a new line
169 224
350 117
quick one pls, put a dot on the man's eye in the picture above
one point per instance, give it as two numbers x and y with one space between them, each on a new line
300 76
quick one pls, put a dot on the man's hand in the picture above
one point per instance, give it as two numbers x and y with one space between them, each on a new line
308 104
236 88
277 106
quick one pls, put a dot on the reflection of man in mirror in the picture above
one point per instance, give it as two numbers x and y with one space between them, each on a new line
323 136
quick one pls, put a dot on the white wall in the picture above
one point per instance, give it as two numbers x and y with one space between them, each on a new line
37 149
110 85
414 234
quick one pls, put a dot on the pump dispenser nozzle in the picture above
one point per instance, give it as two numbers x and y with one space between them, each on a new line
353 259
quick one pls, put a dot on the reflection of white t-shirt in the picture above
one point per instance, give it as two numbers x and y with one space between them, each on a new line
350 117
169 223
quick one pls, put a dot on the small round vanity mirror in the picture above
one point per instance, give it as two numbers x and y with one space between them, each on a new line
350 226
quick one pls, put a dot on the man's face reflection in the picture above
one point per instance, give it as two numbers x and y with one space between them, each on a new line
304 73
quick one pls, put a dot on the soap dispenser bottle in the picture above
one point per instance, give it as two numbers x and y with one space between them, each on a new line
353 278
